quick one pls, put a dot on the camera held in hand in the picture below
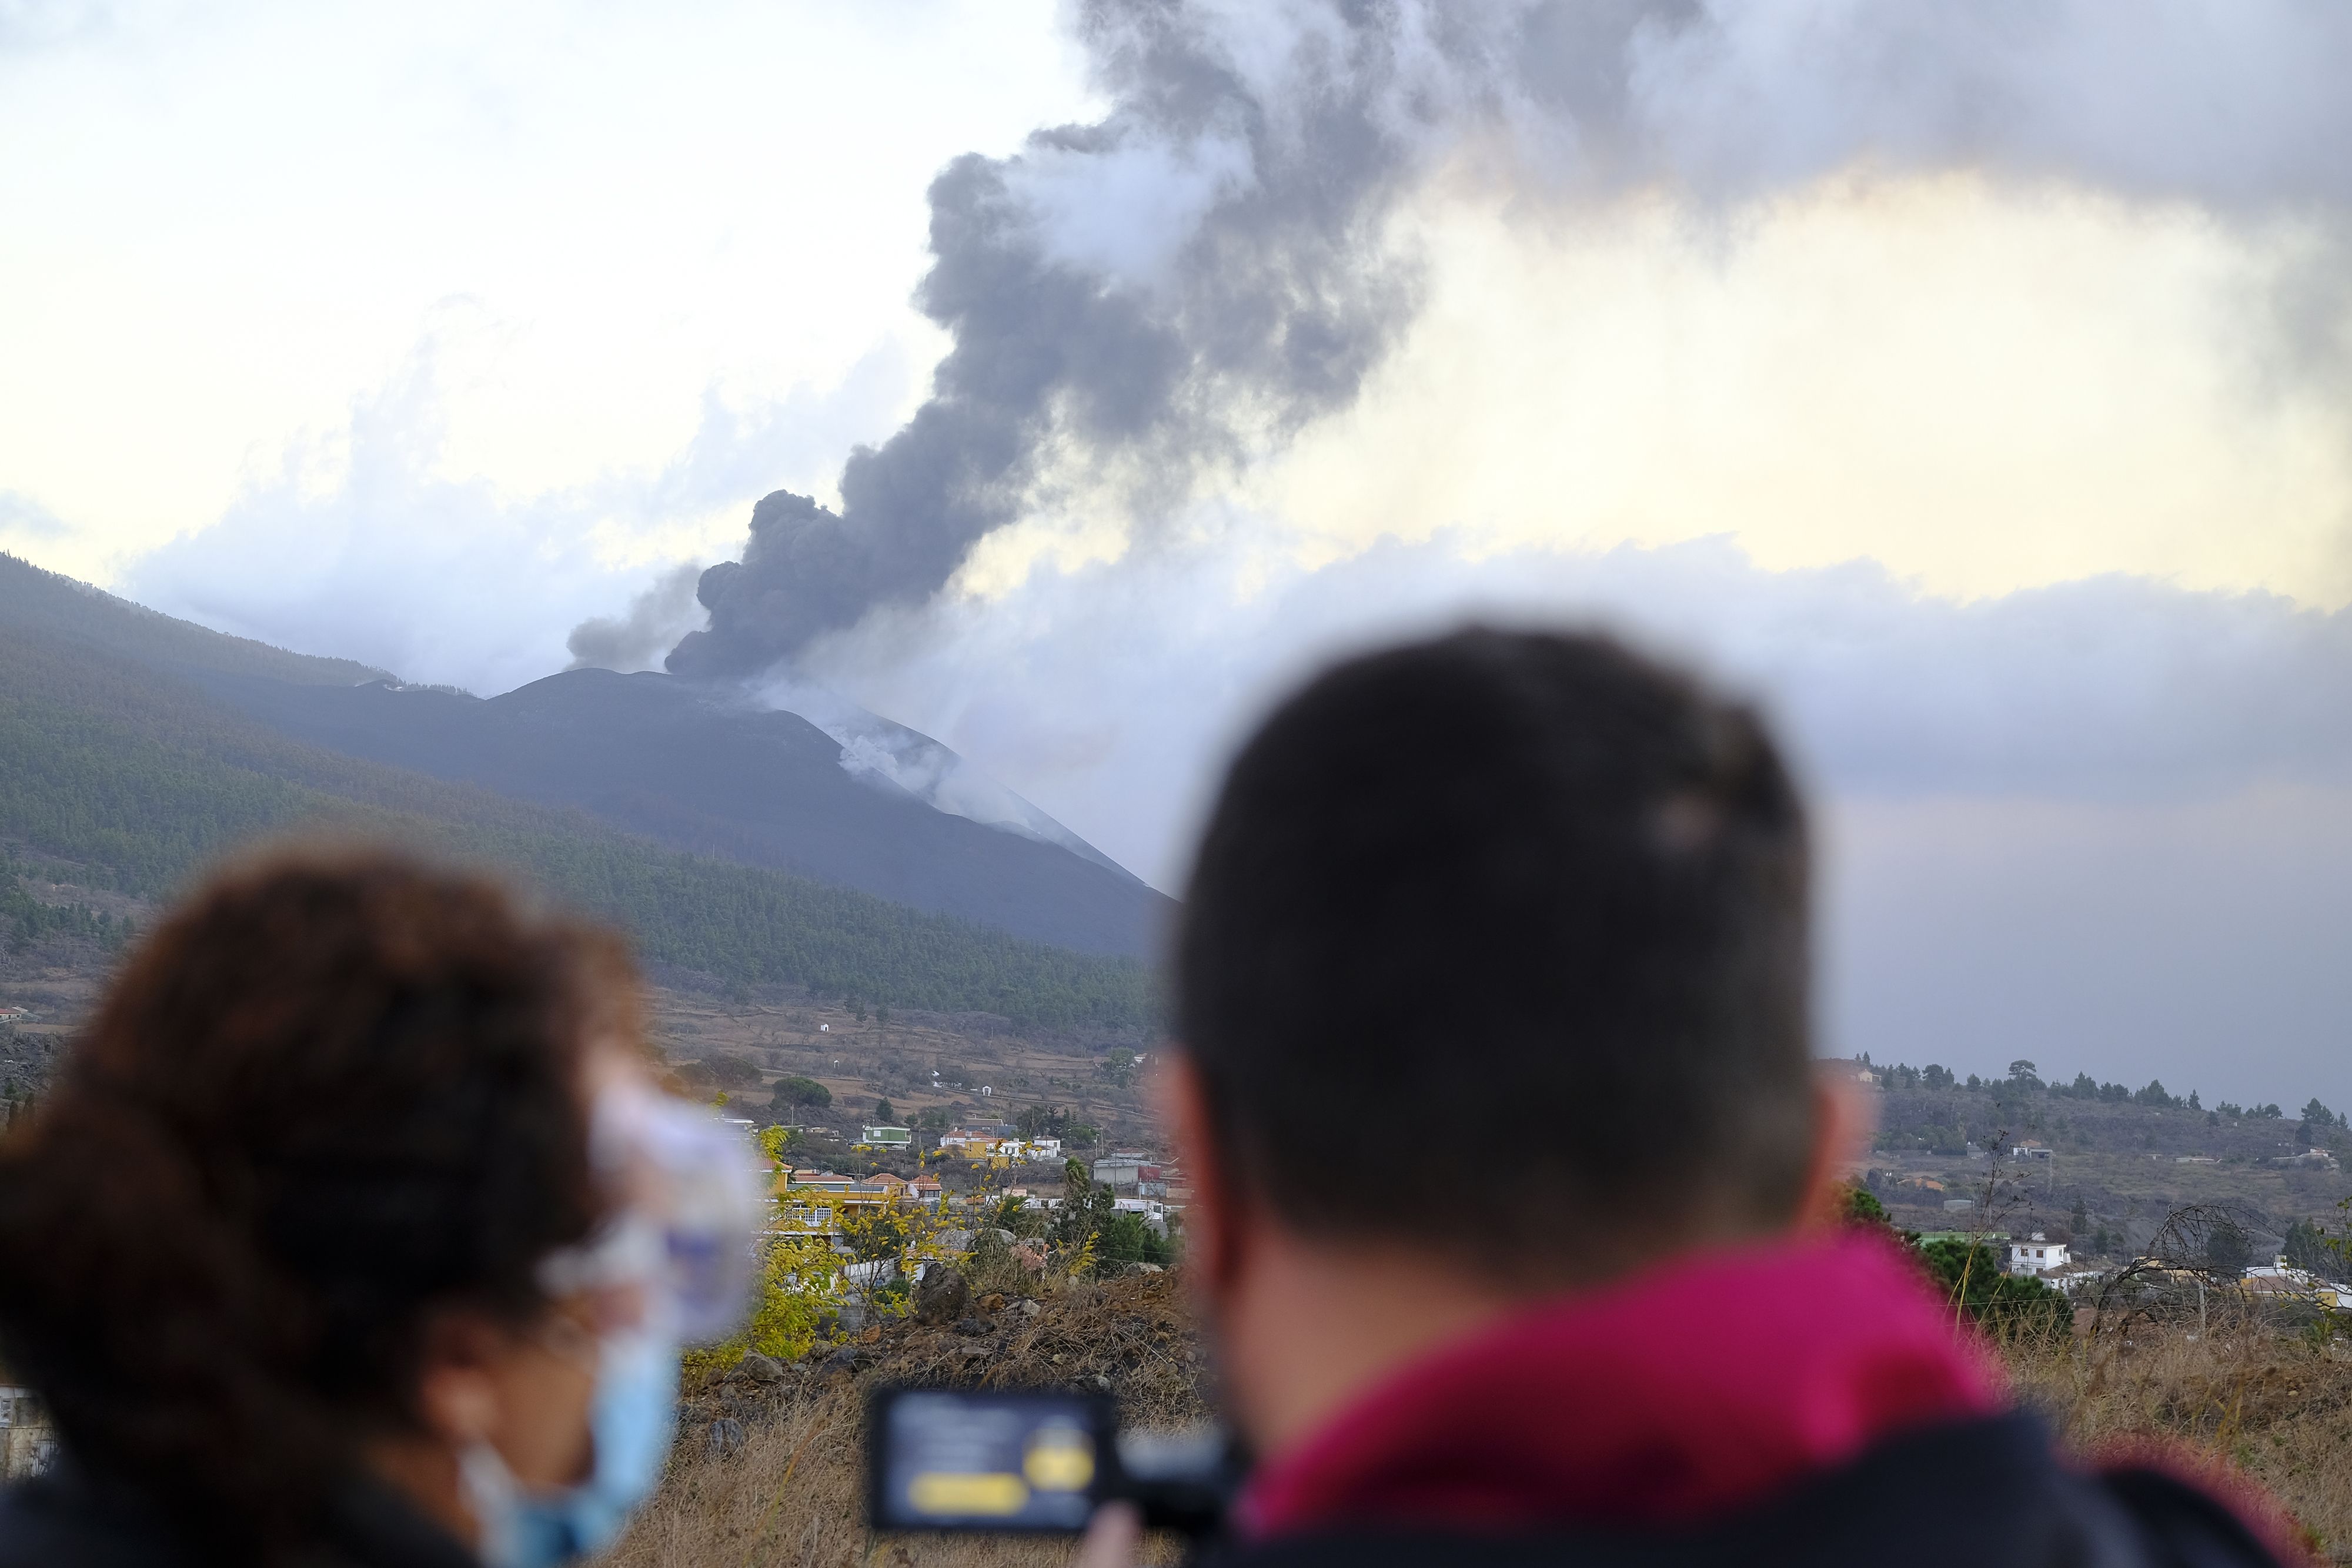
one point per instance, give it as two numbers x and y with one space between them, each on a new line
1036 1462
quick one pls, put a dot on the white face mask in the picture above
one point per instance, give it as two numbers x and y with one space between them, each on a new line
682 1245
632 1416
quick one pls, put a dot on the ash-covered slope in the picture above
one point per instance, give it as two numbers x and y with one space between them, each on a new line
709 773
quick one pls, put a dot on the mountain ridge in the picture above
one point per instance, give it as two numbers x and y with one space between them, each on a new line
686 764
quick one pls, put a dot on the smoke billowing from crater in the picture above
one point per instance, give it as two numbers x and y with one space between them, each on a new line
1166 290
1136 303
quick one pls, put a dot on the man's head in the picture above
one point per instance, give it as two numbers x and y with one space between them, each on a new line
1496 949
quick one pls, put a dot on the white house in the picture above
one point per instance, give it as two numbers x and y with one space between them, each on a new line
2279 1278
1121 1167
2037 1254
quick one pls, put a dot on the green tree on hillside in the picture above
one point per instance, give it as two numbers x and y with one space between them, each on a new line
1128 1239
2304 1246
1970 1276
2228 1250
1860 1206
801 1093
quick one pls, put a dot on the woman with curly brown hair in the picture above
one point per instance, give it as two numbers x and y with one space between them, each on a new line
353 1232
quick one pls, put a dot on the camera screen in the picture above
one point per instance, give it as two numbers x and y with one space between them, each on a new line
952 1460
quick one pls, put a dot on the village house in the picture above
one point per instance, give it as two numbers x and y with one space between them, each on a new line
979 1141
886 1138
873 1192
2279 1278
1120 1168
2037 1254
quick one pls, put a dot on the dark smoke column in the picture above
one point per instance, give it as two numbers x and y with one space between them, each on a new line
1249 292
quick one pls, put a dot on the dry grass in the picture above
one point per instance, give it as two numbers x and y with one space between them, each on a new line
2270 1400
790 1493
2267 1399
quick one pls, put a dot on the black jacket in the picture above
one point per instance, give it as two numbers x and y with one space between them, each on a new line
1960 1495
68 1519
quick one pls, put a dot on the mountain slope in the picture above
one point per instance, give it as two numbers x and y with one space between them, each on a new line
46 604
144 778
659 757
655 756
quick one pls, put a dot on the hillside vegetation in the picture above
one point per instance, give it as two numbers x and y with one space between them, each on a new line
51 608
144 779
2105 1163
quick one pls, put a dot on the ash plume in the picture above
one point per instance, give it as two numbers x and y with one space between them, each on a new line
1198 274
634 640
1180 285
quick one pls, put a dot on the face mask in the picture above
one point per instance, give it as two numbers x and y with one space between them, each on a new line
682 1243
632 1416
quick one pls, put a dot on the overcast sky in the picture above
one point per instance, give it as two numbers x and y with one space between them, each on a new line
1973 386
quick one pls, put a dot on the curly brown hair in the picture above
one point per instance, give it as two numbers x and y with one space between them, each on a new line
336 1090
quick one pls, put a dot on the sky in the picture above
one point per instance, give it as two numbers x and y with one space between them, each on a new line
1970 387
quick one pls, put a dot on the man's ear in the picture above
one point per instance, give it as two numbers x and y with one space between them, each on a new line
1213 1225
457 1388
1844 1117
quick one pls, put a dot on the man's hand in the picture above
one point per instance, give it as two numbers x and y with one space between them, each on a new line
1111 1538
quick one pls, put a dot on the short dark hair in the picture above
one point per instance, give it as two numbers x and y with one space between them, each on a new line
1528 904
332 1091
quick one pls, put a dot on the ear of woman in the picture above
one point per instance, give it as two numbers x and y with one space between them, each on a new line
524 1393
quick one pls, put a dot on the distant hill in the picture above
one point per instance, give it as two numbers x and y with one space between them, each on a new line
46 604
676 762
132 768
655 756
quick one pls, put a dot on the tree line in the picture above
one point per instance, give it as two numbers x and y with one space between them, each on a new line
2025 1078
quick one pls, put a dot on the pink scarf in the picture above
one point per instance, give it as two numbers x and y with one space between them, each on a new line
1694 1388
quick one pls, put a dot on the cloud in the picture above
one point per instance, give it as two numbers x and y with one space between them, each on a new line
2231 103
29 24
1109 693
23 518
2194 940
359 544
2105 824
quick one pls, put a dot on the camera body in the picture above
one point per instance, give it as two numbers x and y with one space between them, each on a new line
1034 1462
